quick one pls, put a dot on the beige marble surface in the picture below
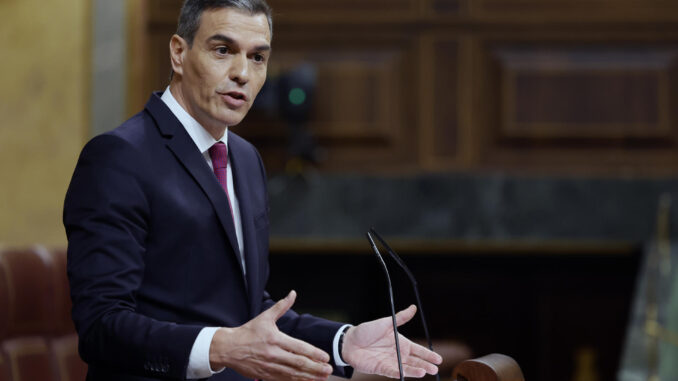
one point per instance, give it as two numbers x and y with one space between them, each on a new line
44 81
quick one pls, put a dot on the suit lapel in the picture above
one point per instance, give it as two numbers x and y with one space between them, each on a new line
245 202
180 144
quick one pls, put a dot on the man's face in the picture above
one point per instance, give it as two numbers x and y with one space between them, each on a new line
224 70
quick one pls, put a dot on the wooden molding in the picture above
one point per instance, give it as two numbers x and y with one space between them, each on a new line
453 247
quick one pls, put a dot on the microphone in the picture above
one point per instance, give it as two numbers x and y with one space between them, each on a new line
393 314
413 281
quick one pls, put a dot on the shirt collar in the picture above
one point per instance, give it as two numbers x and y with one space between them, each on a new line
197 132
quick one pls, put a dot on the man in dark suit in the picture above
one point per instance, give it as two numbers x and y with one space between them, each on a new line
167 224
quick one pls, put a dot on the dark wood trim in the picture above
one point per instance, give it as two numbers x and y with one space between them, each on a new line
454 247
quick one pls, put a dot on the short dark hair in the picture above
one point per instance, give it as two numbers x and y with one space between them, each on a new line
189 18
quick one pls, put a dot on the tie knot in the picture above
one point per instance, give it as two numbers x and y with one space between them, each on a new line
219 154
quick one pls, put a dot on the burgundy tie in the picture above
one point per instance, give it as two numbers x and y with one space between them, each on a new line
219 154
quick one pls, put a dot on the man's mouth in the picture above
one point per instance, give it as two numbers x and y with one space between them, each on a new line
234 98
237 95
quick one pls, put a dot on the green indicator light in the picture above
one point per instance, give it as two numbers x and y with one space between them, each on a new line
297 96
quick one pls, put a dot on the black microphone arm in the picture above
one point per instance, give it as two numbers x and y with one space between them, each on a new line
402 265
393 314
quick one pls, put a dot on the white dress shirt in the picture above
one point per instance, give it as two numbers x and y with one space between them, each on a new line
199 359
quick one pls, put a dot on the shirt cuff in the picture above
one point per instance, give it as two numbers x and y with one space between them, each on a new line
199 359
335 346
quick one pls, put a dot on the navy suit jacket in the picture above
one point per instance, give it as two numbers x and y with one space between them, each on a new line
152 252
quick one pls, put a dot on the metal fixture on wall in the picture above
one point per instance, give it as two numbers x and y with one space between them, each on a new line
289 97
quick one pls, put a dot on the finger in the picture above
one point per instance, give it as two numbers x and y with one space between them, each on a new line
409 371
303 364
282 306
388 371
413 371
425 354
422 364
303 348
277 371
405 315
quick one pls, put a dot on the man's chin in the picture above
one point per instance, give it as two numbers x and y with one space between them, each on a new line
232 120
232 123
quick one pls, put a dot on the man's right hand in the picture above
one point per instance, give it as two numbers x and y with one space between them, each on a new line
259 350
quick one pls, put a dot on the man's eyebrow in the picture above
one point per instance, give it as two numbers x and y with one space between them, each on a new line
263 48
220 37
228 40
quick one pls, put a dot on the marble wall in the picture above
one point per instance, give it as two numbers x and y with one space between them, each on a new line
44 108
472 207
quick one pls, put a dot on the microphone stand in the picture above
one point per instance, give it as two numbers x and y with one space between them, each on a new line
393 314
402 265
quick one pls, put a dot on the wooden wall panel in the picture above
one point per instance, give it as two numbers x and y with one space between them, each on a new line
586 86
447 6
583 10
357 90
363 107
592 93
157 77
164 12
334 8
560 105
445 142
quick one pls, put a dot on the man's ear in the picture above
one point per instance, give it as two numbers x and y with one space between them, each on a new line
178 47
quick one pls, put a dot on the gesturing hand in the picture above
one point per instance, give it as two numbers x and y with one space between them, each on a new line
258 349
370 348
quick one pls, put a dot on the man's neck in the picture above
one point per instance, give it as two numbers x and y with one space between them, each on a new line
217 132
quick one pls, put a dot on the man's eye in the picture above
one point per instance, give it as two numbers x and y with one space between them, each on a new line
222 50
259 58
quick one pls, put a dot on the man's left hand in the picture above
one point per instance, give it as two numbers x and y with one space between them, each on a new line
370 348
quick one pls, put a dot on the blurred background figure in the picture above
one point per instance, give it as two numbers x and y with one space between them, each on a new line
651 347
513 152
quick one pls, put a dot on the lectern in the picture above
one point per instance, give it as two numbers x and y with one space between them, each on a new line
494 367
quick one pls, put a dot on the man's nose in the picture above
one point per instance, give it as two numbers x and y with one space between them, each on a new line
239 70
